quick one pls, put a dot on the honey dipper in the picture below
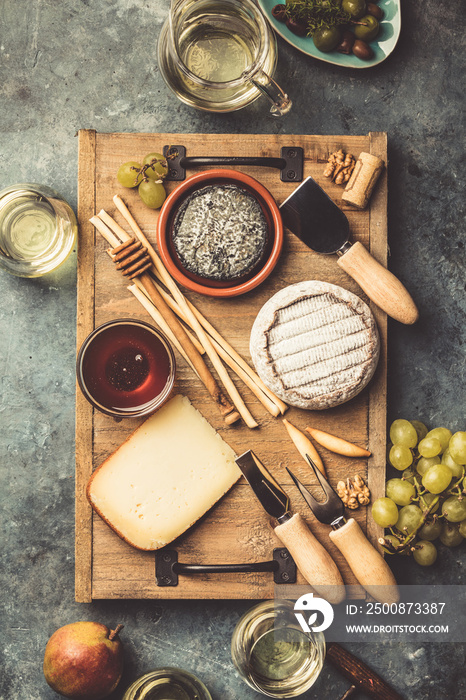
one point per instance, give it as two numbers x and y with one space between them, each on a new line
133 260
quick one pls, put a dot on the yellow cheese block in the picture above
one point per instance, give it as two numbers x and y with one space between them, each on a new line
164 477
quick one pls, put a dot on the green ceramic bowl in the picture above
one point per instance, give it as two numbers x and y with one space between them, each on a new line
383 46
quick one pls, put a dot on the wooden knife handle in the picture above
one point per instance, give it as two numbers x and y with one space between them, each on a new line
313 561
380 284
360 674
366 563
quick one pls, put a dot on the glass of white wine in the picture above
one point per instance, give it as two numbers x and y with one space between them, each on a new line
167 684
273 654
220 55
38 230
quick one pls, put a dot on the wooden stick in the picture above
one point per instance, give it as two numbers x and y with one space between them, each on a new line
230 415
158 318
149 304
106 232
226 357
193 322
281 406
272 403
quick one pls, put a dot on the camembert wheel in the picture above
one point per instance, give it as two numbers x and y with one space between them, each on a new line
315 345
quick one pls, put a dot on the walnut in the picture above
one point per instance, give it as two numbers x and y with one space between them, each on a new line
354 492
334 161
339 167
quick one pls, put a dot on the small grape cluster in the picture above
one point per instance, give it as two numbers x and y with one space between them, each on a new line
148 177
428 502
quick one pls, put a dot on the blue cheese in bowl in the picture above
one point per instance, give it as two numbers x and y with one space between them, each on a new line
220 232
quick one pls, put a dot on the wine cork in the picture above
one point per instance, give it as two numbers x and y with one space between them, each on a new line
362 181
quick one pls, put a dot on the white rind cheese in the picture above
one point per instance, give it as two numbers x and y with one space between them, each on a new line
315 345
164 477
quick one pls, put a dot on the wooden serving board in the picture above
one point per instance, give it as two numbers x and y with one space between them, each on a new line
236 529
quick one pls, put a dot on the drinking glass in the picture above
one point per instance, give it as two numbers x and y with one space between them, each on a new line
38 230
167 684
273 654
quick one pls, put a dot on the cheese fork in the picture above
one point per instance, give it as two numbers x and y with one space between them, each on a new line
366 563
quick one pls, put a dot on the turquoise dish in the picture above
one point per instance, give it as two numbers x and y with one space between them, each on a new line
383 46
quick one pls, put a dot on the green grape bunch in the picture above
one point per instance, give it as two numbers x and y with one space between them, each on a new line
148 177
427 502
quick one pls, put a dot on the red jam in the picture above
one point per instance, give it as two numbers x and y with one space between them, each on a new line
125 367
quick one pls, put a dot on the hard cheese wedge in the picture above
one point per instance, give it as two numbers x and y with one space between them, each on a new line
164 477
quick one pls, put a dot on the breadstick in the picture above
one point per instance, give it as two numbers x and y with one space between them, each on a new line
158 318
304 446
337 445
266 402
226 409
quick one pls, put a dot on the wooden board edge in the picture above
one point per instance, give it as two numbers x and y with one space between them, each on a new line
378 395
85 324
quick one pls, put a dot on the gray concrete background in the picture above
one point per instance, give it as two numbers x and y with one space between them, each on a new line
66 65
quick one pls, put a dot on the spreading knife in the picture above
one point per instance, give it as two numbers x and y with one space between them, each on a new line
312 559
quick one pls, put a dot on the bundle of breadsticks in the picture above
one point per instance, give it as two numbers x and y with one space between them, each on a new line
187 329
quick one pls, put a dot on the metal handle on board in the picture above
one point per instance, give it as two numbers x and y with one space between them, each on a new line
168 568
290 162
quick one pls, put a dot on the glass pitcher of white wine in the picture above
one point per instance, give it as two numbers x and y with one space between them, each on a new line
220 55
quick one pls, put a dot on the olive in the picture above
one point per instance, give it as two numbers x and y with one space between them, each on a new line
326 39
296 26
279 12
346 43
375 10
368 29
362 50
355 8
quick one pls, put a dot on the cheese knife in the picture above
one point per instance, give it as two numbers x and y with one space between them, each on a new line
319 223
312 559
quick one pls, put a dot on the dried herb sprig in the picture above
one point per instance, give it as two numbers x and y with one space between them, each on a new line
317 14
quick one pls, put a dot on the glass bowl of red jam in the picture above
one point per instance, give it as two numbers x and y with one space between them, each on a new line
126 368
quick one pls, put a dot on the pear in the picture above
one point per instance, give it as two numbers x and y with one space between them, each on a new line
84 660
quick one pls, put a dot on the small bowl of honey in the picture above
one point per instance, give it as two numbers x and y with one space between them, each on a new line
126 368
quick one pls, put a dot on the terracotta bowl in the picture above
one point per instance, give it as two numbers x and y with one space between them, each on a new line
203 285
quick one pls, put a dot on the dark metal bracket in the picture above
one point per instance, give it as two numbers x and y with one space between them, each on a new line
168 568
290 163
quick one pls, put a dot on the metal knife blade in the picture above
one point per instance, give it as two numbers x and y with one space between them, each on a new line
271 495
